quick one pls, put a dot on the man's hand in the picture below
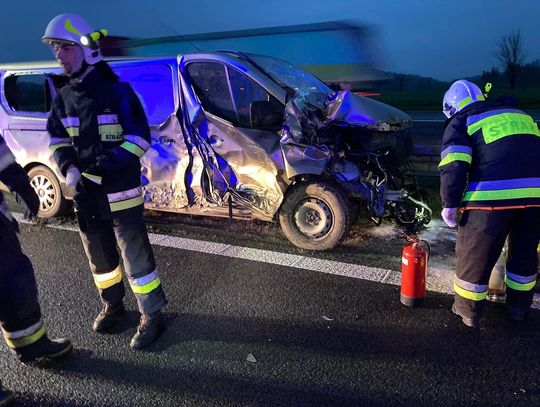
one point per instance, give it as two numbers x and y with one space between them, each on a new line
72 178
449 216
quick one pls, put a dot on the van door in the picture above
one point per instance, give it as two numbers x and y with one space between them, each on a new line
238 139
155 83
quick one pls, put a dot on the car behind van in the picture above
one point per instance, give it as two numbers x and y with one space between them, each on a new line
238 135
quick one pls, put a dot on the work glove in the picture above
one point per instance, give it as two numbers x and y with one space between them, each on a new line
449 216
72 178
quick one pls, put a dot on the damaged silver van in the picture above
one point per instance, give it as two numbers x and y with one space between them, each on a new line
238 135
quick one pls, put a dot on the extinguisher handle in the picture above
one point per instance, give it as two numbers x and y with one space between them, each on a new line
424 244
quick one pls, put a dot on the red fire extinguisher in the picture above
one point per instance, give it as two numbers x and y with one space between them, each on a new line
414 262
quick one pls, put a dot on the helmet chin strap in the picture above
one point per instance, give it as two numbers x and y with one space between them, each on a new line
80 72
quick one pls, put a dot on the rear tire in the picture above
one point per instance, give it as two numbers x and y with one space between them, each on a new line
315 215
51 201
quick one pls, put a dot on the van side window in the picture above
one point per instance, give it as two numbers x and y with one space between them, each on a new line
226 92
27 93
245 91
153 83
209 80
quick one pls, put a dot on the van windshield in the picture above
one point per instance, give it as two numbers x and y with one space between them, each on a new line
289 76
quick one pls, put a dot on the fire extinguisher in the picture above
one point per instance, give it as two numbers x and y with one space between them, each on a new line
414 261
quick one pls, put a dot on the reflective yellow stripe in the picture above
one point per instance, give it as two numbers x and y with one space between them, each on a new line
26 340
94 178
68 26
110 132
128 203
519 286
72 131
145 289
470 295
503 125
450 157
516 193
54 147
133 148
108 279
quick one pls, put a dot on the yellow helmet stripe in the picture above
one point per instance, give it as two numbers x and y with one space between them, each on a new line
70 27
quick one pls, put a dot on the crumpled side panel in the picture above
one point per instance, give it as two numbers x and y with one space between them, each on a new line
164 168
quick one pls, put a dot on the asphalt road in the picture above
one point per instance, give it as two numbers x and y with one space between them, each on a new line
312 338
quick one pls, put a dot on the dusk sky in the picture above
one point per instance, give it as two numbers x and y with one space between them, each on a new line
444 40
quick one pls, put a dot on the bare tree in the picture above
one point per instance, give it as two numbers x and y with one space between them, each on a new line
511 55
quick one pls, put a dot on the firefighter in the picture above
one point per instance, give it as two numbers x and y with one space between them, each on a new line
489 169
20 314
99 132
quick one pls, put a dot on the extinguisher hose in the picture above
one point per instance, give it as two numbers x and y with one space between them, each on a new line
424 244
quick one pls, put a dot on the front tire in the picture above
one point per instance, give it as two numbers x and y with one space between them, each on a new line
315 215
51 201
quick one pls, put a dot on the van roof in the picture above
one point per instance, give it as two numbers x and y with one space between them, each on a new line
53 64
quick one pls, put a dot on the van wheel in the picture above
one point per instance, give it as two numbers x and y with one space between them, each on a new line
315 216
51 201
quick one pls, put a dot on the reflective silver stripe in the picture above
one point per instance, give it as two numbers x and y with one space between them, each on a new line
520 279
138 140
123 195
23 332
144 280
4 209
107 119
59 140
70 122
477 288
6 157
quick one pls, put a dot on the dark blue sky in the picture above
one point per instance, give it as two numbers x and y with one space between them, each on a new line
445 40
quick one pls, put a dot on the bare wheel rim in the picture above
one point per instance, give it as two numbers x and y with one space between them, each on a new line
45 190
313 218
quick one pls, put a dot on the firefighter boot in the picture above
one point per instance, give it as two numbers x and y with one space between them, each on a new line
6 396
517 314
108 317
468 321
150 328
44 348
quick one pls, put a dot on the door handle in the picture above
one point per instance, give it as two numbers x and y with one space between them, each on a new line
215 141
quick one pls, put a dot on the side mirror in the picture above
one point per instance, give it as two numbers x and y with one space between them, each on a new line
263 115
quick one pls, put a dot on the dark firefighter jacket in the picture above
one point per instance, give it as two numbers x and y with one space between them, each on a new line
99 126
15 178
490 159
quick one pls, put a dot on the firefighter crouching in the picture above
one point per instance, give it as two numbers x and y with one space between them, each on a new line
20 314
99 132
489 168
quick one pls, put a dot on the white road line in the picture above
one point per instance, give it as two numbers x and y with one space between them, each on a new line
434 282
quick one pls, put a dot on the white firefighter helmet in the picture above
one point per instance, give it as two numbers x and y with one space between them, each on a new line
459 95
74 29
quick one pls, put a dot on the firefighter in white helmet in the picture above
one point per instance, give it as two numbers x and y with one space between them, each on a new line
489 169
99 132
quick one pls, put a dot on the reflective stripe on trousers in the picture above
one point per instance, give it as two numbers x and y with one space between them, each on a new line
100 240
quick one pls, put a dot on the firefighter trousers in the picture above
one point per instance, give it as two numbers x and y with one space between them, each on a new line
103 240
481 237
19 307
